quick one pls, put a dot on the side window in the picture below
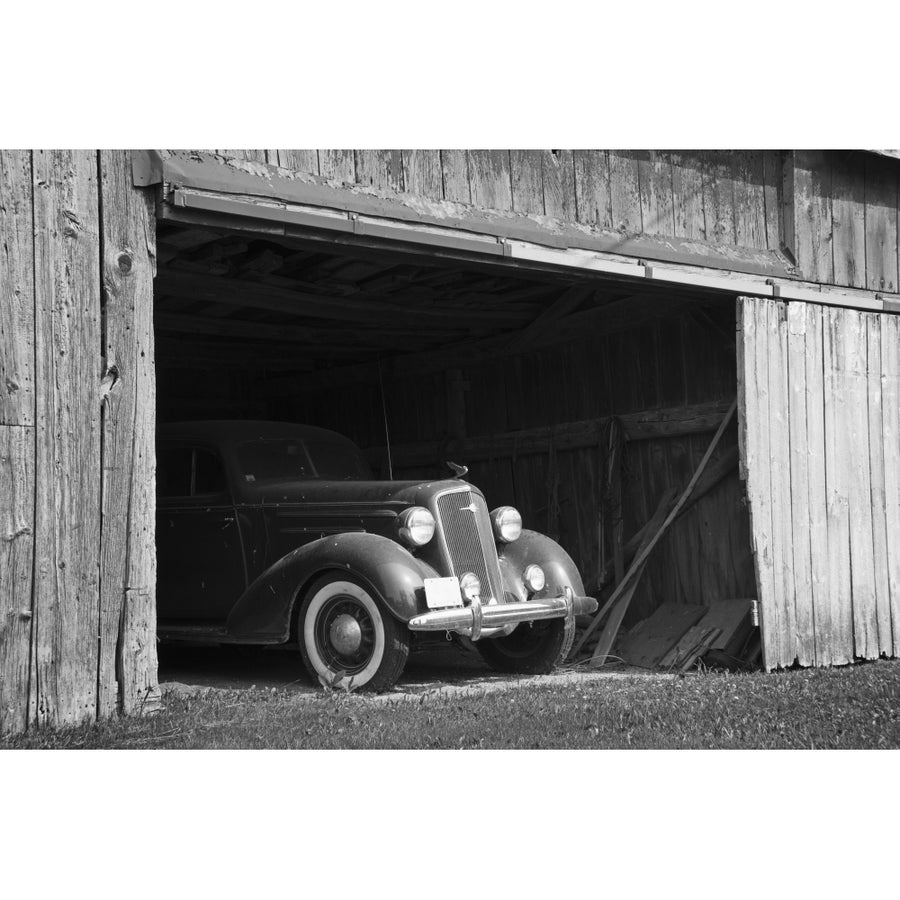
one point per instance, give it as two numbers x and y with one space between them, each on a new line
189 472
173 471
209 476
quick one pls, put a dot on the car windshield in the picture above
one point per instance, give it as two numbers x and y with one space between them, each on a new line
292 459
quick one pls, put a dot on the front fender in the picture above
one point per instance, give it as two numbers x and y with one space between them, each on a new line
535 548
263 613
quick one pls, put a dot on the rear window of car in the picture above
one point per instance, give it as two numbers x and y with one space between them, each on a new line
284 459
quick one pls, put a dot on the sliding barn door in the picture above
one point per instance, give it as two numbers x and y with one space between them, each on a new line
819 412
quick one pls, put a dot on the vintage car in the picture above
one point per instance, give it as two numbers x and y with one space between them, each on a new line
270 533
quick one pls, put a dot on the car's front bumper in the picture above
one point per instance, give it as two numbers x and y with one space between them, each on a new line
476 618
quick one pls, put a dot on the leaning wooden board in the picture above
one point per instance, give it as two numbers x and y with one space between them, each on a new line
649 641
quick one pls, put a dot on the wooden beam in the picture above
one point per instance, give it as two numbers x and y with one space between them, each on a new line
604 319
676 421
358 308
558 310
315 338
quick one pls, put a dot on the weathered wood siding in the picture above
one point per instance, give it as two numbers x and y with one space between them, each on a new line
820 453
835 213
67 461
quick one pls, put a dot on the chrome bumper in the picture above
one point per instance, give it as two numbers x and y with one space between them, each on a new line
471 620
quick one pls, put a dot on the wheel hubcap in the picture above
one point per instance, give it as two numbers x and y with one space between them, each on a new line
345 634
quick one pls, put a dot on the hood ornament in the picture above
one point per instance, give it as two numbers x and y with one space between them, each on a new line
458 470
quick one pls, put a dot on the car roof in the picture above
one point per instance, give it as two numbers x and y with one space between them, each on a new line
232 431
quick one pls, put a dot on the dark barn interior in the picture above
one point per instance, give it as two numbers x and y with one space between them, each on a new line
515 372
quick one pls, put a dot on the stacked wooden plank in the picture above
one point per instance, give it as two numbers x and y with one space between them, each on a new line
677 635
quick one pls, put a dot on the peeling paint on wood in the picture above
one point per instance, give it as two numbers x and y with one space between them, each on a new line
489 179
527 185
422 173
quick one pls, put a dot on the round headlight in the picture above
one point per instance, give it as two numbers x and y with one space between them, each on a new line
534 578
416 526
470 585
507 524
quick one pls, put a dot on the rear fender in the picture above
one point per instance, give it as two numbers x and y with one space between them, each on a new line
533 548
263 613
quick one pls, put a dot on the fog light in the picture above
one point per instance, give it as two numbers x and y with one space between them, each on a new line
534 579
470 585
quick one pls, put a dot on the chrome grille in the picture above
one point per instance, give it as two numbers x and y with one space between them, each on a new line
468 539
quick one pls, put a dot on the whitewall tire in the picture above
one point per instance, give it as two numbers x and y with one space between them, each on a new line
346 633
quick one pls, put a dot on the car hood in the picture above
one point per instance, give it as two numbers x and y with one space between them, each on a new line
392 493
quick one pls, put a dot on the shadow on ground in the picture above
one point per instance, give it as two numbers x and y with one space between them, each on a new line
236 668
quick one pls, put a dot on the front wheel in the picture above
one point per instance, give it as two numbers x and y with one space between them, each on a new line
533 649
345 634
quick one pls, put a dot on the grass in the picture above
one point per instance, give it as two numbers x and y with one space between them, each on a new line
852 707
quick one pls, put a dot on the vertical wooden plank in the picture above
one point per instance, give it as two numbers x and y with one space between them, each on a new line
527 187
800 454
16 563
455 174
862 562
422 173
624 191
772 183
295 160
780 464
127 653
817 503
687 191
812 215
788 214
592 193
67 469
890 399
337 165
749 199
489 179
380 169
558 176
837 484
251 155
848 211
753 405
657 198
881 223
16 290
17 400
873 325
718 197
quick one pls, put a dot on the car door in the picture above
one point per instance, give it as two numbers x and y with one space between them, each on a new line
200 560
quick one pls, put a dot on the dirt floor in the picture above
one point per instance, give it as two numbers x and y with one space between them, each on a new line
447 670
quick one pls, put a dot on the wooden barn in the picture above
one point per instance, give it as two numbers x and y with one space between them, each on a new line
575 326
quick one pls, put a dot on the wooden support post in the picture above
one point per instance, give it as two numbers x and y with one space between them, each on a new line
128 560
